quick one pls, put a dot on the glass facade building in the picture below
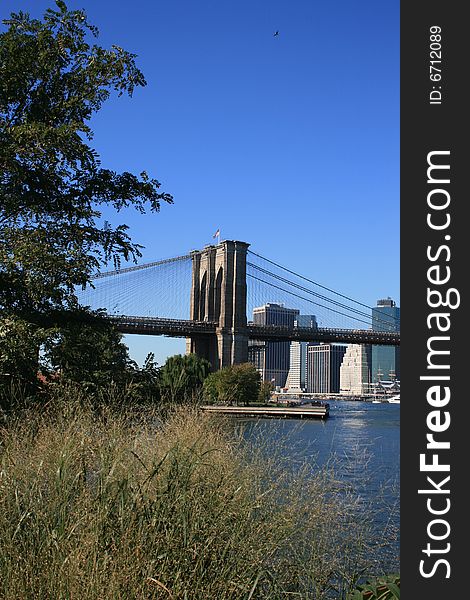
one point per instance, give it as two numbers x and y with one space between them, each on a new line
385 359
272 359
297 377
323 368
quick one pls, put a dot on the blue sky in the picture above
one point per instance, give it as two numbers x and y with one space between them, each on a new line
290 143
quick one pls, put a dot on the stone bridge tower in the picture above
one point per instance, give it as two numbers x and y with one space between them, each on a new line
218 294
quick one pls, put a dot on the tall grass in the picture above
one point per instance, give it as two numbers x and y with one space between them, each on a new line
122 505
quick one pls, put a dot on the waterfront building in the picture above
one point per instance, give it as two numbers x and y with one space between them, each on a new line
385 359
355 370
297 376
272 359
323 368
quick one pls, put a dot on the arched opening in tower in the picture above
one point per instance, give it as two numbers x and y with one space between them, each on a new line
202 298
218 294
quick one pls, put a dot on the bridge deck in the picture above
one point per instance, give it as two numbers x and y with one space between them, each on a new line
187 328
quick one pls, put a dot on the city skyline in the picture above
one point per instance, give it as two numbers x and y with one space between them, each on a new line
290 142
318 367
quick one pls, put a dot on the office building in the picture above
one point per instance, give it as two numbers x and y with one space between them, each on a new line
272 359
385 359
297 376
323 368
355 370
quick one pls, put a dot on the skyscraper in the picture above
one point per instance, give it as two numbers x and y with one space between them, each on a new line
385 359
272 358
355 371
297 376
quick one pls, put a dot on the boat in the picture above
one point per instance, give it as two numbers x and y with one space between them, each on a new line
394 399
379 399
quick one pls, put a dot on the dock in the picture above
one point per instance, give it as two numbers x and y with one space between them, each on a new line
277 412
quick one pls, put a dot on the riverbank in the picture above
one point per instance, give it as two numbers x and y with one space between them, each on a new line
306 397
127 504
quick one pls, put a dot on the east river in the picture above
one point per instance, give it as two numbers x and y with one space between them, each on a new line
361 442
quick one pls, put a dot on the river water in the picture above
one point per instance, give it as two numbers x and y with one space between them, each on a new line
361 441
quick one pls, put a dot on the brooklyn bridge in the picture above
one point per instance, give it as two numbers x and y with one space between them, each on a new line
208 297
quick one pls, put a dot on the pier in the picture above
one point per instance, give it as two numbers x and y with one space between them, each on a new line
278 412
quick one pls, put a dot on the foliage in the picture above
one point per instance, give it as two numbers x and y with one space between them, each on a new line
382 588
82 348
181 376
145 382
210 388
265 390
85 348
237 384
51 180
19 357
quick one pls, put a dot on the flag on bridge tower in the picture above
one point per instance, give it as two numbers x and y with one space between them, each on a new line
217 235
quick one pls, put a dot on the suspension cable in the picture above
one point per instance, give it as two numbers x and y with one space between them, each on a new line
304 289
313 293
140 267
309 280
307 299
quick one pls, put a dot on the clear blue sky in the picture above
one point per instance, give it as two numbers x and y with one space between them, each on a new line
290 143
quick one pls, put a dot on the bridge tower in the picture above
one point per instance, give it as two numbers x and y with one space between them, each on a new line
218 294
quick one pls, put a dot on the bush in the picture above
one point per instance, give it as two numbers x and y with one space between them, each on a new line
181 376
20 342
238 384
84 347
265 390
78 347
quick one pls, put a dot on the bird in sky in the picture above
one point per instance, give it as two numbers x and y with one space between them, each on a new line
276 33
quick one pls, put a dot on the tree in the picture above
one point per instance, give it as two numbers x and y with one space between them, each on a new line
52 187
19 358
210 388
237 384
85 348
181 375
265 391
51 181
144 384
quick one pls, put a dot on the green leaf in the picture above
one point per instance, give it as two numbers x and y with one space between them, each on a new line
394 589
52 184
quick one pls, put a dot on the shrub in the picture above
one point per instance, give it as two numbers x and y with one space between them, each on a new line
237 384
181 376
265 390
19 358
